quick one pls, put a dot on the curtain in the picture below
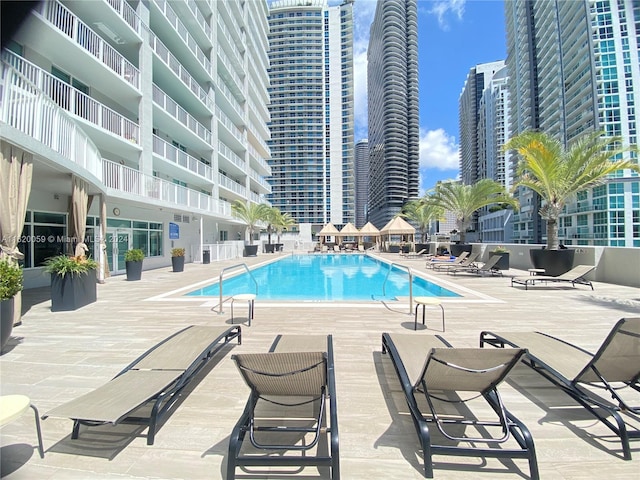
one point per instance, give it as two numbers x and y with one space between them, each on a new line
16 171
103 269
78 213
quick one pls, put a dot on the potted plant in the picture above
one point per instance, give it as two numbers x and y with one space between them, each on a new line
557 174
503 253
10 284
251 214
465 200
133 262
421 214
73 281
177 259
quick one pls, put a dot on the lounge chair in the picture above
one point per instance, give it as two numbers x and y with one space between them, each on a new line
415 254
291 408
616 364
469 261
435 261
426 366
488 267
573 276
156 379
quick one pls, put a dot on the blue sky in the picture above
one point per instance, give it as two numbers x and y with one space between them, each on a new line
454 35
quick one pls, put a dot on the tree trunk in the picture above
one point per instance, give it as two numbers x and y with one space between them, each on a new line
552 234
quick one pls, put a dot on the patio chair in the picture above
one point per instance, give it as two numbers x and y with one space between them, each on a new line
469 261
614 366
573 276
291 416
450 379
419 254
488 267
435 261
156 379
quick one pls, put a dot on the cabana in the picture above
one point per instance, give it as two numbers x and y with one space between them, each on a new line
397 227
371 232
329 230
349 231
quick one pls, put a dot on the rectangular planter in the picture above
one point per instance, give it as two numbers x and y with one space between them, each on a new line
72 291
503 263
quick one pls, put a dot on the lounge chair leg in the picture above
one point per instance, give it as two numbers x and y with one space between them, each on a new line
39 431
76 430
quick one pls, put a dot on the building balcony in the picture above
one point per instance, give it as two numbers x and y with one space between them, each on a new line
228 41
260 181
176 156
71 26
74 101
173 109
232 185
230 127
229 74
233 103
259 162
225 152
30 111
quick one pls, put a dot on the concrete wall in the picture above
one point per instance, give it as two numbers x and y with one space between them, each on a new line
618 265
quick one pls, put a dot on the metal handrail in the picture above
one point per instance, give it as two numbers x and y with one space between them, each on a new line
231 268
410 283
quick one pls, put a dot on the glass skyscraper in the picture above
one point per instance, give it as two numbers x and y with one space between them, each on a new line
574 68
312 119
394 124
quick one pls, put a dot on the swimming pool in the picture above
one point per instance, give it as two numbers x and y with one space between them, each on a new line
327 277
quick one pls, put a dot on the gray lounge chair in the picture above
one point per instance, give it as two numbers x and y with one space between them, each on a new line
469 261
293 397
434 261
615 365
488 267
573 276
156 378
426 366
419 254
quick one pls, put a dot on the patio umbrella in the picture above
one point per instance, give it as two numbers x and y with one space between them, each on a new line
329 230
349 230
398 226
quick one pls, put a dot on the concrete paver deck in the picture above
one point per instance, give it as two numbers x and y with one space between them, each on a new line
55 357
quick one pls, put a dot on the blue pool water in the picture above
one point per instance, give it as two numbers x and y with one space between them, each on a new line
326 277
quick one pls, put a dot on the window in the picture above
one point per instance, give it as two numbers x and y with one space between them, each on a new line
43 236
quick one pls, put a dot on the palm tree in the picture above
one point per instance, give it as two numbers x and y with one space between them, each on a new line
422 213
557 173
464 200
284 221
251 214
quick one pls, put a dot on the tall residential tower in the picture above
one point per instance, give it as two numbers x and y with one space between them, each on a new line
394 123
312 117
574 68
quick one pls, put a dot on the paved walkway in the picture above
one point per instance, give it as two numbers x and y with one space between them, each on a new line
55 357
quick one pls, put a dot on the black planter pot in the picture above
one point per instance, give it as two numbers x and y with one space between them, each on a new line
458 248
422 246
134 270
394 248
6 321
177 263
269 247
554 262
503 263
72 291
250 250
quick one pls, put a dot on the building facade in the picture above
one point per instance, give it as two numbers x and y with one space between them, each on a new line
574 68
158 112
312 110
393 103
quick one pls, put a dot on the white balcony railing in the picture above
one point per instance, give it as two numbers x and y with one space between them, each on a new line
128 14
177 156
64 20
232 185
230 155
73 100
226 121
26 108
129 181
170 106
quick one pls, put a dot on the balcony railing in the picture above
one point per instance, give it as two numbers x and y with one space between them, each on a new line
64 20
176 67
73 100
129 181
26 108
177 156
226 121
180 114
199 17
128 14
229 96
230 155
232 185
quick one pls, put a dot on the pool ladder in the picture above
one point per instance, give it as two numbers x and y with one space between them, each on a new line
410 283
221 278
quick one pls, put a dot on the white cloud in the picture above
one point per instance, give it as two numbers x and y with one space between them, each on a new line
442 9
438 150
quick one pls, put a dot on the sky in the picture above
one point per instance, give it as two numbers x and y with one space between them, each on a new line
453 37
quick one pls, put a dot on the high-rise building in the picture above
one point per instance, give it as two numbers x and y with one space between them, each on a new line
155 110
477 81
362 181
312 116
574 68
393 102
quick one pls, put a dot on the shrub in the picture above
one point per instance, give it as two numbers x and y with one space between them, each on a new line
500 249
63 265
10 279
177 252
134 255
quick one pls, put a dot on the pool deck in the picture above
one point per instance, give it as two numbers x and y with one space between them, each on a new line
55 357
